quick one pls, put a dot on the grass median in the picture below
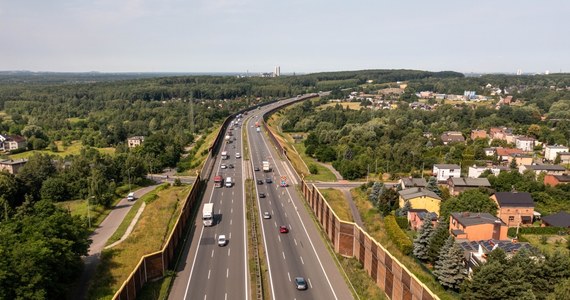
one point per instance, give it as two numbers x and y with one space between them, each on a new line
253 218
148 236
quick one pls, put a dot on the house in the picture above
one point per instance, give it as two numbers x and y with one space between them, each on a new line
551 152
490 151
408 182
525 143
452 137
554 180
478 134
420 198
416 218
504 153
559 219
564 157
475 172
515 208
12 142
500 133
548 169
520 159
476 252
135 141
476 226
12 166
459 185
443 171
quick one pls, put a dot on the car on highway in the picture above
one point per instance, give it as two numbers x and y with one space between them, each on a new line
222 241
283 229
259 181
300 283
223 166
266 215
231 166
268 180
261 195
238 155
256 169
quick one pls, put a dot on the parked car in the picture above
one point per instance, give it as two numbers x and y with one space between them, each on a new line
266 215
283 229
300 283
222 240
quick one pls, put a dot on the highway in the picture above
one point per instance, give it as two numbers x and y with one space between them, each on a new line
301 252
210 271
207 271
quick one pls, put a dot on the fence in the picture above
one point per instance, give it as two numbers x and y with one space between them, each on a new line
350 240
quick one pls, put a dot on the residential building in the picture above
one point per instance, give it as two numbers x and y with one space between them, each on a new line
475 172
12 142
459 185
476 226
525 143
135 141
554 180
520 159
500 133
559 219
420 199
548 169
504 153
476 252
408 182
550 152
564 157
490 151
416 218
12 166
452 137
515 208
443 171
478 134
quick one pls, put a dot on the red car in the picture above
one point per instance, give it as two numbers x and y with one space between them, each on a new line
283 229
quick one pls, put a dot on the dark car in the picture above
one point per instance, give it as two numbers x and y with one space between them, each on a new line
230 166
268 180
261 195
300 283
259 181
283 229
255 168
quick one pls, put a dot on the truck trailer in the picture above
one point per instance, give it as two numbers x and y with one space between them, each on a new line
266 167
208 214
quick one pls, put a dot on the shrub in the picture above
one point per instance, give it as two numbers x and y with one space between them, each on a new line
313 169
537 230
403 222
398 237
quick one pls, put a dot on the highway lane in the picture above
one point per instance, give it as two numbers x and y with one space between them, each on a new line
301 252
210 271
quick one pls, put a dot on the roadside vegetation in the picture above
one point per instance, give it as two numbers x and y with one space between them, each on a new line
153 227
338 203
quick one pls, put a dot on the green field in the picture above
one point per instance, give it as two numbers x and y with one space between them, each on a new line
73 149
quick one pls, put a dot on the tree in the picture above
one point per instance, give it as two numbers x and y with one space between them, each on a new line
561 290
55 189
449 269
468 201
387 201
34 172
437 240
403 212
432 186
375 192
421 242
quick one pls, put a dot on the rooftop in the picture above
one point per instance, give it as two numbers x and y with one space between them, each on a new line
470 218
446 166
545 167
523 199
417 192
560 219
490 245
475 182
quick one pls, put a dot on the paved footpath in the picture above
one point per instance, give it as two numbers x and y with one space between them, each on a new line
99 237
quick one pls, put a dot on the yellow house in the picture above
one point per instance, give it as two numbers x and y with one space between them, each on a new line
420 198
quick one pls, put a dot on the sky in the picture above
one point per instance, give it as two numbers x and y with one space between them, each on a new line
300 36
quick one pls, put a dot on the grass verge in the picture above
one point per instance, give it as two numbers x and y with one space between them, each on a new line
156 290
148 236
338 203
252 218
374 225
365 287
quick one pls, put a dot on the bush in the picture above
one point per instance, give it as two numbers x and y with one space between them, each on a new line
537 230
398 237
403 222
313 169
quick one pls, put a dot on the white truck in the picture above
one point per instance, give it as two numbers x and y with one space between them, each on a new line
266 167
225 155
208 214
228 139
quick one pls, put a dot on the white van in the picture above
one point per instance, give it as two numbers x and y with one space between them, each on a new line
229 182
131 196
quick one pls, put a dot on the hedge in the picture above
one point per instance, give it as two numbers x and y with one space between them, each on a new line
403 222
537 230
397 235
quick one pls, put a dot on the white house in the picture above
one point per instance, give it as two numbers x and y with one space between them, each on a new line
443 171
475 172
525 143
548 169
551 151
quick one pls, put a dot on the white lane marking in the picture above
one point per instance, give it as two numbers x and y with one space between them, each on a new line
282 252
310 284
303 262
230 235
304 227
282 204
205 296
285 215
231 211
229 251
231 222
227 272
212 253
289 275
226 296
279 237
209 271
295 240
